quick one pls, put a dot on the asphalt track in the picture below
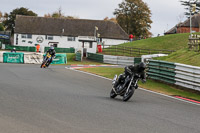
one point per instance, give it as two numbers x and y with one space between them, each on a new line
59 100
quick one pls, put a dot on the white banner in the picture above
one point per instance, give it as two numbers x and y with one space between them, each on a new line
1 57
33 58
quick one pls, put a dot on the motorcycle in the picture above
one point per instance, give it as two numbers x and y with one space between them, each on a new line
126 88
46 61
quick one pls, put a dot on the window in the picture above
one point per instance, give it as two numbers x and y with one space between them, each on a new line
23 36
29 36
71 38
90 45
49 37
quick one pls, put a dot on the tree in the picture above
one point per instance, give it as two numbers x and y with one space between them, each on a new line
10 22
191 6
134 16
110 19
1 27
59 14
3 17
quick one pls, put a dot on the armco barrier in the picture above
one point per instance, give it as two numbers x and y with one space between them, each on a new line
21 48
95 57
161 70
78 56
137 60
33 58
13 57
121 60
60 59
187 76
61 50
179 74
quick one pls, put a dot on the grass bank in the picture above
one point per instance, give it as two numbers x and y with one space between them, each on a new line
168 42
150 84
183 56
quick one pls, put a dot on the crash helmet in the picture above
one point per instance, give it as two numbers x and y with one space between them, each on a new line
14 48
142 66
52 47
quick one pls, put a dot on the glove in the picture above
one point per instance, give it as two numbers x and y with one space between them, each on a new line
128 70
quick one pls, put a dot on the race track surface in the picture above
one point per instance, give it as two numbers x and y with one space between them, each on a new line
59 100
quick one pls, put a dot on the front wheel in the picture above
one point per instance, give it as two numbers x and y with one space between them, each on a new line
43 64
128 94
112 94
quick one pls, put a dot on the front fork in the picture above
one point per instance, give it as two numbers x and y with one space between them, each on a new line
113 83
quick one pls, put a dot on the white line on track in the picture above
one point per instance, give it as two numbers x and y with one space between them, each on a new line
139 88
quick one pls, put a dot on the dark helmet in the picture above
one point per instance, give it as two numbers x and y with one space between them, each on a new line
142 66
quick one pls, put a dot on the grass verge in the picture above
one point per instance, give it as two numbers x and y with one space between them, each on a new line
150 84
183 56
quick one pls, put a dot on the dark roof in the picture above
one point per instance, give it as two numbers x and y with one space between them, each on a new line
171 31
195 21
72 27
195 24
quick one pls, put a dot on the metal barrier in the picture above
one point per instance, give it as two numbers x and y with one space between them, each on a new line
78 56
161 70
187 76
121 60
95 57
179 74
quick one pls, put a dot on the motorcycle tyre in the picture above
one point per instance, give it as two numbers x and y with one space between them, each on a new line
42 65
126 96
112 94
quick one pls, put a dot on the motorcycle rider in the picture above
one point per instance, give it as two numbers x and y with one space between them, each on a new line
132 69
13 50
52 52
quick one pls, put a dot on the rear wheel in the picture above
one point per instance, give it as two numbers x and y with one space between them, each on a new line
128 94
42 65
112 94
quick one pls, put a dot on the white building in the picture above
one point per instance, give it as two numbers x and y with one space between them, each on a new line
67 33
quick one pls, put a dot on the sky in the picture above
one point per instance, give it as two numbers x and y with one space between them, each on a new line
165 13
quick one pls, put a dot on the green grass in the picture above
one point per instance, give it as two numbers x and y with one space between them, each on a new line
168 42
150 84
183 56
71 56
177 42
149 46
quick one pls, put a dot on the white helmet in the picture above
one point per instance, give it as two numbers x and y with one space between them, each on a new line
52 47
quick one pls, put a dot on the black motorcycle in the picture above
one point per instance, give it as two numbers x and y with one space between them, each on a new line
126 87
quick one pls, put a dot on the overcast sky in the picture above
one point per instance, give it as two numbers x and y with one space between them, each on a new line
165 13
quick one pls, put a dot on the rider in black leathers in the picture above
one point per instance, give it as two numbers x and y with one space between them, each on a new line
129 70
52 52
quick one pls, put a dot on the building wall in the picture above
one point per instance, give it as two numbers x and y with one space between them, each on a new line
186 29
61 41
113 41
